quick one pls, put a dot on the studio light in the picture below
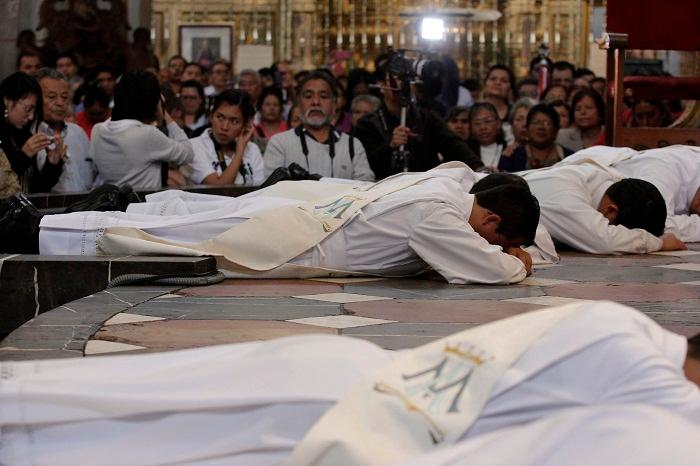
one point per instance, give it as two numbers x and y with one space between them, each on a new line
432 29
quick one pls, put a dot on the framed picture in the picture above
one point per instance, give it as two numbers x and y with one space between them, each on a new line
204 44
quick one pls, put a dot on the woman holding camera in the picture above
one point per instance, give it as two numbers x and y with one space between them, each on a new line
21 108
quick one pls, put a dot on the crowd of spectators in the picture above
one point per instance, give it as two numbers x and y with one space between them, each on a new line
68 129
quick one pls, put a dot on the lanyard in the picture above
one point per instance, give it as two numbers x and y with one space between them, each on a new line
301 132
219 150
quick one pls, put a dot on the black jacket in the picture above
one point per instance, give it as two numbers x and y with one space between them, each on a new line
30 177
375 130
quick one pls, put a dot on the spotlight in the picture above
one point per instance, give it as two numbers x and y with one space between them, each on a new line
432 29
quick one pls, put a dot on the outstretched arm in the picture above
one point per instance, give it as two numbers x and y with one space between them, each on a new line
447 242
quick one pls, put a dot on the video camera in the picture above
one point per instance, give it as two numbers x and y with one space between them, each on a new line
411 68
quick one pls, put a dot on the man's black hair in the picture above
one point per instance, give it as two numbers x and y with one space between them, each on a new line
564 65
640 205
68 54
136 97
581 72
94 94
235 97
27 54
498 179
694 347
322 75
518 208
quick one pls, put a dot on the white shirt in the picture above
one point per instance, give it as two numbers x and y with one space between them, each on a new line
397 235
491 154
205 162
79 171
286 148
569 197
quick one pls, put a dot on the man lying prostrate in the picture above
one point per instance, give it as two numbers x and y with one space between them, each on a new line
542 251
610 435
674 170
397 227
595 211
252 403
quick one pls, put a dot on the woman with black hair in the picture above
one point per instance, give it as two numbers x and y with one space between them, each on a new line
129 148
587 116
486 134
224 154
539 150
21 105
194 103
270 105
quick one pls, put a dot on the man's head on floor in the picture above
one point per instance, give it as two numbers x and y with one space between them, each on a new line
692 361
505 211
634 203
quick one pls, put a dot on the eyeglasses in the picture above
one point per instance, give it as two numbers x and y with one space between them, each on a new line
27 108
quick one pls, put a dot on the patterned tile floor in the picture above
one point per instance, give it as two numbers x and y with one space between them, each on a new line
394 313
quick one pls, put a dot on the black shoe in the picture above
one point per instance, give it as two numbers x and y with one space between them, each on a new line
107 197
279 174
127 196
300 173
19 226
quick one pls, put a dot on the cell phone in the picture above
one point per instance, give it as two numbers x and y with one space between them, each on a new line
52 143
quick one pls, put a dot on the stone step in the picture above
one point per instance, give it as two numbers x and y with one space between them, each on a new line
33 284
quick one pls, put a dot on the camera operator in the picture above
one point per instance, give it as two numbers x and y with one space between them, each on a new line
424 136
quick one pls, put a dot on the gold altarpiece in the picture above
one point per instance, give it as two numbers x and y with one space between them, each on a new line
305 31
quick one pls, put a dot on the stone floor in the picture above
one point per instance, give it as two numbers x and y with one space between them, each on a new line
394 313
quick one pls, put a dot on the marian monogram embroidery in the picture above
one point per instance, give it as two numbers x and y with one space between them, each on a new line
438 389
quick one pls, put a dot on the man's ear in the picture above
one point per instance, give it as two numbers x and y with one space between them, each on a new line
492 218
611 211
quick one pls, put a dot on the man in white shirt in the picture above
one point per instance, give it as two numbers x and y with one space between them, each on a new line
79 172
274 391
315 145
674 170
594 211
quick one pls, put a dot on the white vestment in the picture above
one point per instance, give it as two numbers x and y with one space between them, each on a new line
674 170
399 234
569 196
252 403
619 435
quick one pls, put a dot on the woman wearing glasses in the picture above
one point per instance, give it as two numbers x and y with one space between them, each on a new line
21 109
540 150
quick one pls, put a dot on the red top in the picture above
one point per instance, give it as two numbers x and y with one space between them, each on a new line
261 131
81 120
